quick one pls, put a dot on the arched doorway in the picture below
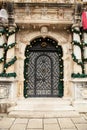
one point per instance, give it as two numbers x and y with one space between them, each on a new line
43 69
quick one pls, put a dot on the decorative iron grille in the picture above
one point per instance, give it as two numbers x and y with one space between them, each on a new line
42 71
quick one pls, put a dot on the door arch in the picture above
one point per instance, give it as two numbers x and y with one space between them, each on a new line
43 69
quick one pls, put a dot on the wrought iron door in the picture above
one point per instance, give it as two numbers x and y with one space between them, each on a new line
43 74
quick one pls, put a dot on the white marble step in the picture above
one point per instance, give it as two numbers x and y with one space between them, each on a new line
40 108
44 101
42 104
43 114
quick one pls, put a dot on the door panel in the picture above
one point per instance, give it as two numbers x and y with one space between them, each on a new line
43 74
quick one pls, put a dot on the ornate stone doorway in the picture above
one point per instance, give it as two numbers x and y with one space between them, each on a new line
43 69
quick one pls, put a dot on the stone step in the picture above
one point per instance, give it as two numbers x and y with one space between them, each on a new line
41 108
80 106
44 101
42 104
43 114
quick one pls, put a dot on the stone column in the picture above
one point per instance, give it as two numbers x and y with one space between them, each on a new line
11 51
85 50
20 70
67 66
77 50
20 90
11 69
2 41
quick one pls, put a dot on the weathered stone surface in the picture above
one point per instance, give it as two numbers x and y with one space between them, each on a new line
68 129
34 129
35 123
62 123
18 127
33 114
85 116
81 126
80 120
20 121
66 123
50 121
6 123
51 127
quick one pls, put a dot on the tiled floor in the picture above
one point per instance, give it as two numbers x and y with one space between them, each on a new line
46 123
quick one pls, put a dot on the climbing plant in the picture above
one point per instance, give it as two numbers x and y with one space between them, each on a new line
7 33
82 45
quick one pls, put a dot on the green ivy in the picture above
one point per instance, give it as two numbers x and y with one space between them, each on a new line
6 47
85 60
84 43
76 60
77 43
8 75
81 45
85 31
2 32
60 87
11 45
78 75
8 33
76 31
10 62
1 46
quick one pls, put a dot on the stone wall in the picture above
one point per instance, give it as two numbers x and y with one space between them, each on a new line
24 37
36 22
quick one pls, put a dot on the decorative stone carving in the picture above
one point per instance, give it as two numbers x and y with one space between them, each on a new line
44 31
44 11
39 14
4 90
80 89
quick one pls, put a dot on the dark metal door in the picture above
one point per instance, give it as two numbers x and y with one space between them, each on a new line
43 69
43 74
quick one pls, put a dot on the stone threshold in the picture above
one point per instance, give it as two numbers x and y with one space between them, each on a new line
43 114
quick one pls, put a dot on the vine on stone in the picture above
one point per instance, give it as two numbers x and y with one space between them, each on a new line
83 60
6 47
